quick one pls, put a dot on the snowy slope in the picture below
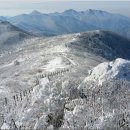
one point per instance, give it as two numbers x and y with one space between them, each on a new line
11 35
102 43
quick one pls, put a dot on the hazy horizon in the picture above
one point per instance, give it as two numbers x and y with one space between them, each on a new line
19 7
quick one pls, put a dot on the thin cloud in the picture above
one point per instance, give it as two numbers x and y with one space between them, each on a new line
26 6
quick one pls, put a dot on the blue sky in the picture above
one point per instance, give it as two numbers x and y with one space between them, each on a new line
15 7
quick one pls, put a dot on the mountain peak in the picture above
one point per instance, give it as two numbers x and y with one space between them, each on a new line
93 11
71 11
35 12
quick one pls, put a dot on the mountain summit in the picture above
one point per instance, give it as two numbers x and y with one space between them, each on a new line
70 11
35 12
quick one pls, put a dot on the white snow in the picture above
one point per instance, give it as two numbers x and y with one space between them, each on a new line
6 65
5 126
40 92
59 48
56 63
118 69
3 90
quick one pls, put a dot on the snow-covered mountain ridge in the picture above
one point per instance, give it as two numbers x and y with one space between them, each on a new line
11 35
71 21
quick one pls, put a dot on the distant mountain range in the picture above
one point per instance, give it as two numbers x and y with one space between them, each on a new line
71 21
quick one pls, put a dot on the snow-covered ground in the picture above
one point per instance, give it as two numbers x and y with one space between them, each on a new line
47 84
